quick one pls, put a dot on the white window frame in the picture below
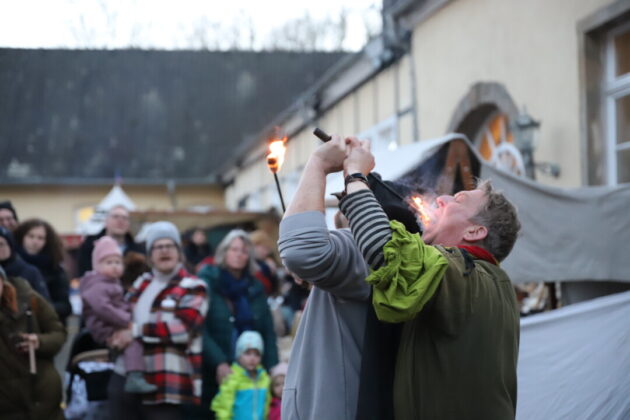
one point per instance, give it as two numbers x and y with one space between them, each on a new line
375 133
615 87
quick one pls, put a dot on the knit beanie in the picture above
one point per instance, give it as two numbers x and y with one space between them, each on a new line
9 206
279 369
162 230
104 247
249 340
8 236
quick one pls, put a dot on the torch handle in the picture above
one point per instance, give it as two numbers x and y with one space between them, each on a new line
31 349
31 359
275 176
323 136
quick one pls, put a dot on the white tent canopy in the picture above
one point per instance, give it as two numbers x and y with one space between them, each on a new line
393 164
576 234
115 197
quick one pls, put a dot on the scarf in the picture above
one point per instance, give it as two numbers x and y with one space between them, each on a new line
41 261
480 253
236 290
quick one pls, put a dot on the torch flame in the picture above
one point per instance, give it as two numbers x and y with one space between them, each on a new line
423 210
275 157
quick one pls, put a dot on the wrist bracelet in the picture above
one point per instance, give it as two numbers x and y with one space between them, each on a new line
357 176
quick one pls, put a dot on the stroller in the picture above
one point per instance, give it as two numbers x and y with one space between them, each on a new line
87 375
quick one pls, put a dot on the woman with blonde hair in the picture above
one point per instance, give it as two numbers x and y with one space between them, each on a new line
265 255
237 303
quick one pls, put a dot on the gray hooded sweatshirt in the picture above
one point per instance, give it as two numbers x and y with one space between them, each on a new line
323 376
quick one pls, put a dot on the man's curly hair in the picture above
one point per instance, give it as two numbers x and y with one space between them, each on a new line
499 216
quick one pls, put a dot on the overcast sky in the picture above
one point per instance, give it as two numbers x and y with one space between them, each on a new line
165 24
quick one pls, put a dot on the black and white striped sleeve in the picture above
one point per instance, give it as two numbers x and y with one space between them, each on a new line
369 225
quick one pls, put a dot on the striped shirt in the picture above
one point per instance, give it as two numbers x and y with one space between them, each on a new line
369 225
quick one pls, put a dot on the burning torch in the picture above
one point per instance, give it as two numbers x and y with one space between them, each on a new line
275 159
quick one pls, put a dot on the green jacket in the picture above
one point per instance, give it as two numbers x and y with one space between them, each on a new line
242 398
23 397
219 332
459 346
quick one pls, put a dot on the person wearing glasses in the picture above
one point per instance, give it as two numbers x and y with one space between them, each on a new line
168 309
117 227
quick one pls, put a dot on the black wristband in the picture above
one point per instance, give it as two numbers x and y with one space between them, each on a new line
357 176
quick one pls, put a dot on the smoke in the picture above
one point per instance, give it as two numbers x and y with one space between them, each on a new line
411 189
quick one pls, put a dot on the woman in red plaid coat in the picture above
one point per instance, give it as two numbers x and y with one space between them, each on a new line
169 307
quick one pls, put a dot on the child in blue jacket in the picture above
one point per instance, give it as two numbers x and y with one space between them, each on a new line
244 394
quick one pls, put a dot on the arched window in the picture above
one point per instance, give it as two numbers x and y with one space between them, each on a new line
485 116
495 142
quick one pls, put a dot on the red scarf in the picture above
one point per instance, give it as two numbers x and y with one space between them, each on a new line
479 252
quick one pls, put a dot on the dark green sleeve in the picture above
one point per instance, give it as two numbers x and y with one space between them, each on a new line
452 303
212 353
52 333
270 356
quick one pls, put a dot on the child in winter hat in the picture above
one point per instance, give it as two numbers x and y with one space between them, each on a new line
278 374
244 393
106 311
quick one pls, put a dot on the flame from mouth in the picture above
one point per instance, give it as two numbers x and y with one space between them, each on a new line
423 208
275 157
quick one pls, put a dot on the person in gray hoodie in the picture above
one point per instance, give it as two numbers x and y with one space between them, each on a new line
322 381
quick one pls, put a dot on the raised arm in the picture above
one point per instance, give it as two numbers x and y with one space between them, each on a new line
329 260
328 158
407 271
368 221
369 224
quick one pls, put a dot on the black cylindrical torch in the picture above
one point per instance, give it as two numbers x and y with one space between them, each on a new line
272 163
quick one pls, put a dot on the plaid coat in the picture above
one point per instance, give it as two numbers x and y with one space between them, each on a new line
171 339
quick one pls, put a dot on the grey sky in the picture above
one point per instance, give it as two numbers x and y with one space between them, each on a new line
166 24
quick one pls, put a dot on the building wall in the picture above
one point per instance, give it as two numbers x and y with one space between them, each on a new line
529 47
387 95
59 204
